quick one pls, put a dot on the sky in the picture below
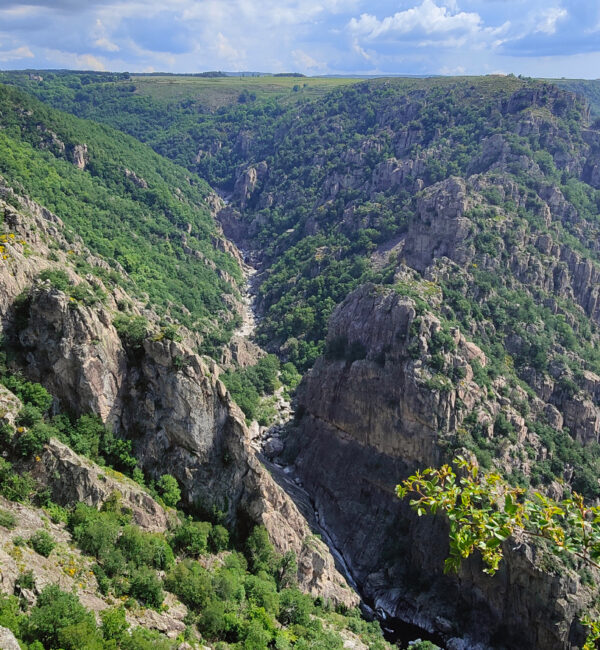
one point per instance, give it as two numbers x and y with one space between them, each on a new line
540 38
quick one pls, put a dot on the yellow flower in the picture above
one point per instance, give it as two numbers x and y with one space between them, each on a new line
12 235
37 459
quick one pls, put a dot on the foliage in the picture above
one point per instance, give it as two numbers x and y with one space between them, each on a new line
137 226
42 542
59 620
7 519
133 330
483 511
247 385
191 537
146 586
168 488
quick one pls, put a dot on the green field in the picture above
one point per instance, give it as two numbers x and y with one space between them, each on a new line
212 93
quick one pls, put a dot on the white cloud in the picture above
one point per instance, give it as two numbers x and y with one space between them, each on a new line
306 62
549 18
101 38
105 44
22 52
427 18
228 53
75 61
456 70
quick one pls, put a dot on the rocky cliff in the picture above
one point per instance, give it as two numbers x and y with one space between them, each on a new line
159 393
373 412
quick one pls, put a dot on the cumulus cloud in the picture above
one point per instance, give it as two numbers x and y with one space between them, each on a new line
425 19
400 36
17 53
549 18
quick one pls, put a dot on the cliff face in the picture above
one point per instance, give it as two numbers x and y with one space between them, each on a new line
161 394
369 422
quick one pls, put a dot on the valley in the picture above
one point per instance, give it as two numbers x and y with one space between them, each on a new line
288 294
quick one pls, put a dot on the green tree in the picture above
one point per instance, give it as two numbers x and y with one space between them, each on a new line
168 488
59 620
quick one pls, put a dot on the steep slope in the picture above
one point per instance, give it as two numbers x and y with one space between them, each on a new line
145 386
141 212
476 201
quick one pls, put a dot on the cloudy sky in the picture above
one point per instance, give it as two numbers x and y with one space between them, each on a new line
550 38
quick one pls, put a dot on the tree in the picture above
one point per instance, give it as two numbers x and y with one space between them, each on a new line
483 511
169 490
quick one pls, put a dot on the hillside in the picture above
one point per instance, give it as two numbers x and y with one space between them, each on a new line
128 424
427 255
141 212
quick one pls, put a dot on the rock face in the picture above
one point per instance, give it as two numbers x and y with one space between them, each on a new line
370 422
163 396
7 640
80 156
73 479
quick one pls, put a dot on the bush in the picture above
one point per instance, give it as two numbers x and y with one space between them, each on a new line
28 416
260 551
31 442
42 542
191 583
168 488
13 486
146 587
114 624
218 539
141 548
132 330
59 620
7 519
192 537
295 607
96 533
58 279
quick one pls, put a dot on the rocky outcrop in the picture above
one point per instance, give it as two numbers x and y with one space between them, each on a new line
73 479
8 640
368 422
163 396
68 568
247 181
138 181
80 156
76 352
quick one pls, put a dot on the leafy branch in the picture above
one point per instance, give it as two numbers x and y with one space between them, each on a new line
484 511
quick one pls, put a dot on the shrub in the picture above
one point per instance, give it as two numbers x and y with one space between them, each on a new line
143 548
59 620
168 488
28 416
42 542
192 537
26 580
295 607
32 441
260 551
7 519
114 624
218 539
13 486
58 279
191 582
132 330
146 587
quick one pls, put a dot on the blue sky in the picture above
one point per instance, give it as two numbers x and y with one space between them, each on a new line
550 38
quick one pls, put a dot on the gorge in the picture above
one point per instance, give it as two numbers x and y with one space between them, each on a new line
422 260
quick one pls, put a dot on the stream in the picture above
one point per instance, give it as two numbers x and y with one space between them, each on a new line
395 630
